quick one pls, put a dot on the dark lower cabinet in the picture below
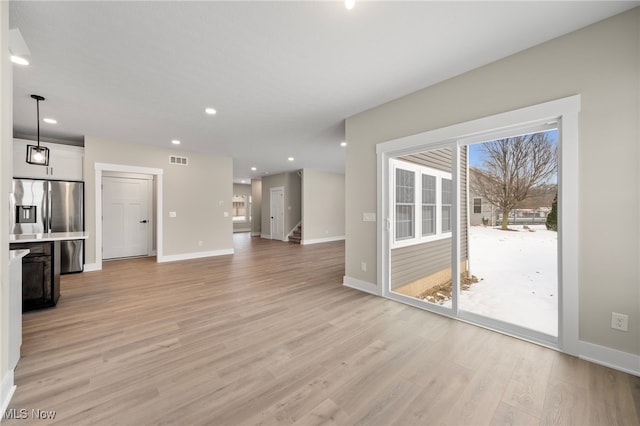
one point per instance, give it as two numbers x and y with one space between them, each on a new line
40 274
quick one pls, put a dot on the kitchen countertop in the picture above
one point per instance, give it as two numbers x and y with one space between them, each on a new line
17 255
52 236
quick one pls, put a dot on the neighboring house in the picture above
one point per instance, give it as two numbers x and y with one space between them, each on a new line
481 211
423 221
532 210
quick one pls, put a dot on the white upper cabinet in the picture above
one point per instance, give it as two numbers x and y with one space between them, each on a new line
66 162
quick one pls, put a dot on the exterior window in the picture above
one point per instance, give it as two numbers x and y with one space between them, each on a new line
422 203
405 200
447 201
477 205
239 205
428 205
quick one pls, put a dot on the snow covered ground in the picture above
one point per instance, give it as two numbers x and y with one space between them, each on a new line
518 273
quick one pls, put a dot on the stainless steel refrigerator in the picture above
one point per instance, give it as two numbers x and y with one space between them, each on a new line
42 206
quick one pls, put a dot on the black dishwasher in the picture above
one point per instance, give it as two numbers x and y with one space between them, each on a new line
40 274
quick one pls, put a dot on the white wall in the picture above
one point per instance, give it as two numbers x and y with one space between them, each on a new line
199 193
6 156
602 64
322 206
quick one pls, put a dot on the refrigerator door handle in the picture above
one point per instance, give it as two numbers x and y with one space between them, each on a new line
49 209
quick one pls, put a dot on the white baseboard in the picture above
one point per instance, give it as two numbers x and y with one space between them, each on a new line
255 234
361 285
88 267
7 389
322 240
612 358
242 230
265 236
196 255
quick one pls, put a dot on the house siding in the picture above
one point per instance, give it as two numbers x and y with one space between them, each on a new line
415 262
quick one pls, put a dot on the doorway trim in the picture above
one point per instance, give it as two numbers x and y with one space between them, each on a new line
106 167
563 111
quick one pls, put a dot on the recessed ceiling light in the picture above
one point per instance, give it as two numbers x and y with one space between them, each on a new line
349 4
290 158
253 169
50 120
343 144
243 181
175 142
210 111
19 60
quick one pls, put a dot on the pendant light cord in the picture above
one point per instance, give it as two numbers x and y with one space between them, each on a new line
38 98
38 117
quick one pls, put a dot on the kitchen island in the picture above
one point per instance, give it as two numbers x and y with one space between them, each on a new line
41 267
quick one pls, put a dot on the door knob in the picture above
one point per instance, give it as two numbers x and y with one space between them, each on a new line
143 221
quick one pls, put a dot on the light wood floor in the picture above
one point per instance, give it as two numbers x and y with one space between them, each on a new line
270 336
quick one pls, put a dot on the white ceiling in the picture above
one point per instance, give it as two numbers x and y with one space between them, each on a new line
283 76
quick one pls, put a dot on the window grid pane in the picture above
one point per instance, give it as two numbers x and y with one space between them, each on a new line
477 205
447 200
428 205
405 199
404 222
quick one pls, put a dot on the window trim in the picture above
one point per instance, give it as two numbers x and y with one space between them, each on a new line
418 171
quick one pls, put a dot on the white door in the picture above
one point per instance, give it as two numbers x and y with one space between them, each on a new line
277 213
126 220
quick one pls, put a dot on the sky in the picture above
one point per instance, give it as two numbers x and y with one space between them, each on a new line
476 155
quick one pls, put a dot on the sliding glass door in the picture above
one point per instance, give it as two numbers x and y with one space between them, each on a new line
472 231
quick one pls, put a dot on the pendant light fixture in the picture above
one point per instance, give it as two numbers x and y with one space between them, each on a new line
38 155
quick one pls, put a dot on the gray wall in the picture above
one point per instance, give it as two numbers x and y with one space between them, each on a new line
322 206
292 201
256 206
243 189
199 193
601 63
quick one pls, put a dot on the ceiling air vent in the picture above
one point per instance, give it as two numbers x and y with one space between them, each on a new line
174 159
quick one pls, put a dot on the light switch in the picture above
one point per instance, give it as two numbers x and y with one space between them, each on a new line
172 214
368 217
226 214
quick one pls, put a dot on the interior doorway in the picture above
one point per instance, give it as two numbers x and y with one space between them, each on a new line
105 168
127 219
276 202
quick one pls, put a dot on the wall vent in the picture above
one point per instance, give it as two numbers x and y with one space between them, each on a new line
174 159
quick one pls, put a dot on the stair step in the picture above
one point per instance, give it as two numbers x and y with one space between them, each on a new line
296 236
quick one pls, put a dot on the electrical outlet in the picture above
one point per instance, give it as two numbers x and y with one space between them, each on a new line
200 243
363 266
619 321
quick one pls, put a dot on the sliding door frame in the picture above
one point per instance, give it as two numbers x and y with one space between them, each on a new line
560 113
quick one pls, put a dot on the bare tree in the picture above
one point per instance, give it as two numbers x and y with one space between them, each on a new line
513 167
